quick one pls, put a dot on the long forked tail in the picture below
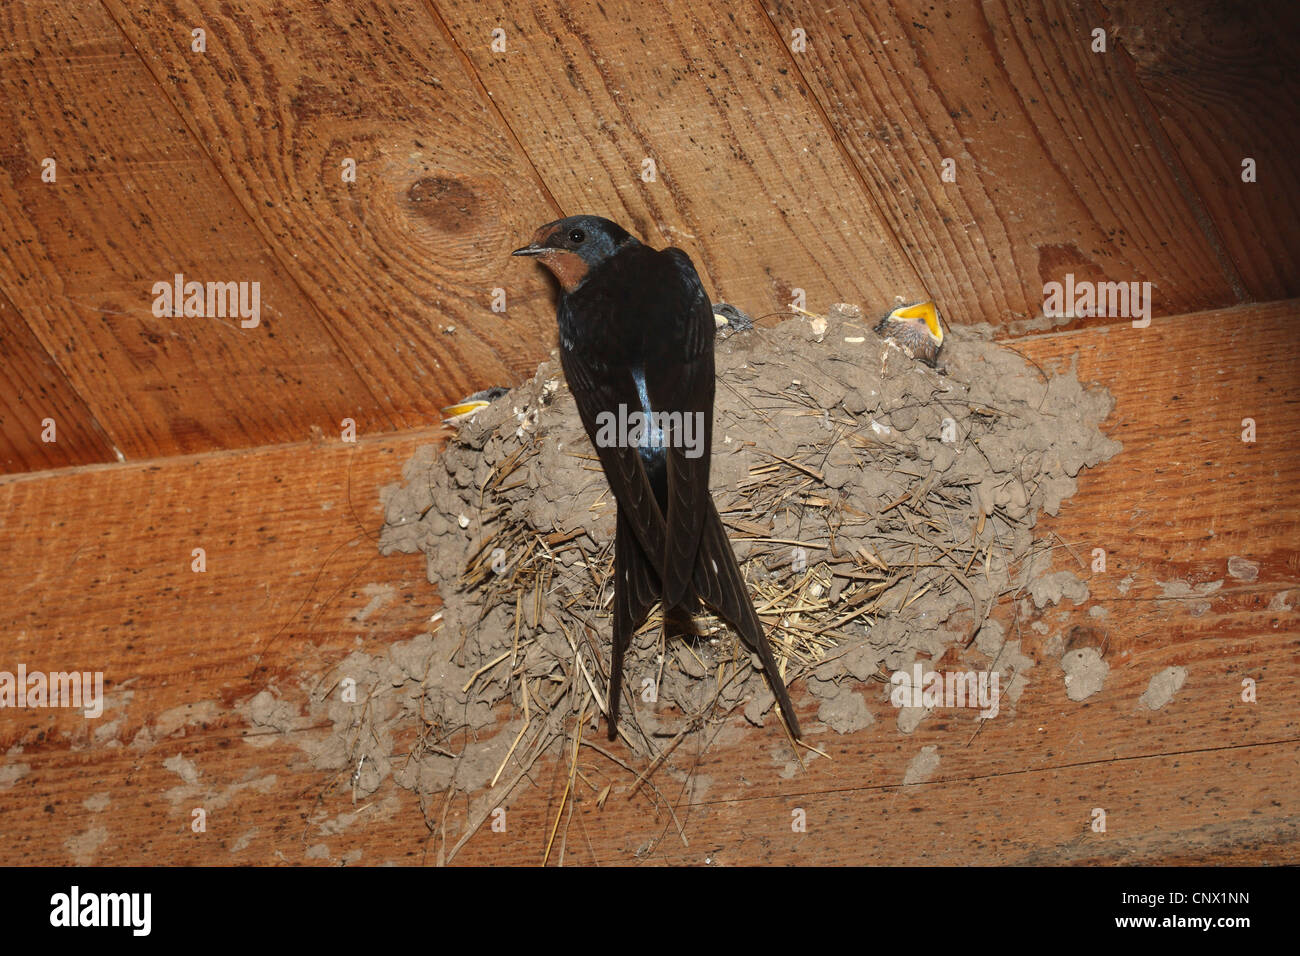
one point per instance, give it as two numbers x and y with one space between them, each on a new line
720 585
636 589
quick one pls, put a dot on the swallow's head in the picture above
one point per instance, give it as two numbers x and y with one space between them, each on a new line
917 327
571 248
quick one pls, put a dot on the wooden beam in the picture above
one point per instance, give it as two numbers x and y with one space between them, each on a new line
34 390
134 202
1220 84
1056 169
96 563
747 177
404 264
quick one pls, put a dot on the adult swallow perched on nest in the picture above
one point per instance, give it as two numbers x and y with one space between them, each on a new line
636 336
916 328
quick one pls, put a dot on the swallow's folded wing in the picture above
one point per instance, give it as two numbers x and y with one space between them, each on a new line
686 388
597 392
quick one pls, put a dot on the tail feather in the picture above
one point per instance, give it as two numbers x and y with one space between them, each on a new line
636 588
716 581
719 583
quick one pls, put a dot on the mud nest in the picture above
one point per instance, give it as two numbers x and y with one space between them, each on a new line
880 508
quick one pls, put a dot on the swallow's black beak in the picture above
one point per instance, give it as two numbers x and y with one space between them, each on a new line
532 249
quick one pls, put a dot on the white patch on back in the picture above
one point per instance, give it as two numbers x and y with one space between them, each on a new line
653 436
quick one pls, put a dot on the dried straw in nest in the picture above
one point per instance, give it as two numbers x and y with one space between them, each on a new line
879 508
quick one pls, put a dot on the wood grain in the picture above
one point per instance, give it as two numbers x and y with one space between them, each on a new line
403 262
1208 778
748 180
136 201
1220 81
776 170
32 389
1057 170
1188 492
293 582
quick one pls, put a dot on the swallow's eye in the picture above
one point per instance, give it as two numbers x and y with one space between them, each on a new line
576 236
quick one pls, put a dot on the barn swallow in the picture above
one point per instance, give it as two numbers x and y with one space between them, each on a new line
917 328
636 336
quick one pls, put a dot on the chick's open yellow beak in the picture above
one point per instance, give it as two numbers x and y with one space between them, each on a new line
462 408
927 312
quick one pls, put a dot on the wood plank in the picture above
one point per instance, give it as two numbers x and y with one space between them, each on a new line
1056 169
136 201
293 581
1221 83
1188 493
1021 792
285 551
748 180
403 262
268 526
33 389
1160 810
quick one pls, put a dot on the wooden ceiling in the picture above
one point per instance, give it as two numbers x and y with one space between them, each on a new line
777 170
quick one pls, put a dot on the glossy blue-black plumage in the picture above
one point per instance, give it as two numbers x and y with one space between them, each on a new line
637 332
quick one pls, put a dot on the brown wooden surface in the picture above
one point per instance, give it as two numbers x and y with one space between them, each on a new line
777 170
1220 80
750 181
106 585
401 263
135 201
32 389
1056 169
